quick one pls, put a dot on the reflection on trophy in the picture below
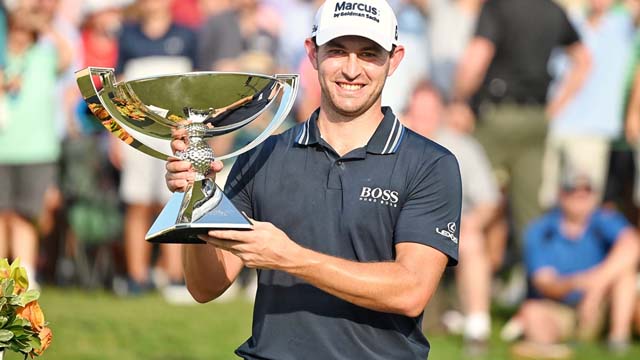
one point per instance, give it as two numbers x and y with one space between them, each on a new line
204 105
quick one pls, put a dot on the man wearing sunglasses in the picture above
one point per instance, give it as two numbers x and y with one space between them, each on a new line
580 258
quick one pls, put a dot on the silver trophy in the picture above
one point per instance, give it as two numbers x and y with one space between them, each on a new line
204 104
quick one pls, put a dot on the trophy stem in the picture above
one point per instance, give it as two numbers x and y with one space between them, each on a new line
203 206
198 151
202 197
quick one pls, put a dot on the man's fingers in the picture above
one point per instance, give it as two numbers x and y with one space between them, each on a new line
188 177
216 166
224 244
179 175
233 235
179 133
178 185
178 145
178 166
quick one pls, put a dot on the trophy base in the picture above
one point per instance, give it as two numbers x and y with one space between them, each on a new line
165 230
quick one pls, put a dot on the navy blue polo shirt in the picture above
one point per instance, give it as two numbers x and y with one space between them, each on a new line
400 187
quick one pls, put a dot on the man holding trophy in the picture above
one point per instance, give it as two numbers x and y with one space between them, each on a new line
354 217
350 218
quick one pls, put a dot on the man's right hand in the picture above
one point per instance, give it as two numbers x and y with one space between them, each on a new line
180 174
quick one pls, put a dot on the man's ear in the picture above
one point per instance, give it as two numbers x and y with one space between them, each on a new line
395 59
312 51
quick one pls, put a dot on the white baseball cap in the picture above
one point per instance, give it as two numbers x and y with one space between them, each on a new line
372 19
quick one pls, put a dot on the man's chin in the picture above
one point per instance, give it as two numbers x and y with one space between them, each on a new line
351 111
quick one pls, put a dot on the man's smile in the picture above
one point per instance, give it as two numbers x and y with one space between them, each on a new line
349 86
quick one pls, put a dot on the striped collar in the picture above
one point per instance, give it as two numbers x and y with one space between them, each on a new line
385 140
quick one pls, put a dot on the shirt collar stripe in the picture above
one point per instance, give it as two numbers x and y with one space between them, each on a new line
307 131
396 144
301 135
389 133
393 128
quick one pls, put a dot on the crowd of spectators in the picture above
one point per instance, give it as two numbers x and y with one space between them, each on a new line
538 99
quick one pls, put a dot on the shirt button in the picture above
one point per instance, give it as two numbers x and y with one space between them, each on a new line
339 162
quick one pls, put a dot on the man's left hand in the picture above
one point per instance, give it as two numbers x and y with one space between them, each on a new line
263 247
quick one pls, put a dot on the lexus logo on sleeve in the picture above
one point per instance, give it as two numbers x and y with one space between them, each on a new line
449 232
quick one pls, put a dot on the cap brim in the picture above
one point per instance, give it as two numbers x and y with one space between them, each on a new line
324 36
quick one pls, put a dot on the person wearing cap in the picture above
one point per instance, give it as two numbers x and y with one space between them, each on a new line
355 216
579 258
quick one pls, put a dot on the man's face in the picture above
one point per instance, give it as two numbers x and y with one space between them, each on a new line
352 71
48 7
151 7
600 5
578 201
424 111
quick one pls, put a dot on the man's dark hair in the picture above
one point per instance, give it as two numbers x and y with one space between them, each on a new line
393 47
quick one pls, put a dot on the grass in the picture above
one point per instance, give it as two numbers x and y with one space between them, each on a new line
98 325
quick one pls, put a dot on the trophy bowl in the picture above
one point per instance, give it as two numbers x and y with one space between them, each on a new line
203 105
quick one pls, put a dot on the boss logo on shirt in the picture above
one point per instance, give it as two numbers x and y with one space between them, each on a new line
347 8
379 195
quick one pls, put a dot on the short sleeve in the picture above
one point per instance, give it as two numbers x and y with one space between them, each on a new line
568 33
609 225
238 185
533 253
488 26
430 214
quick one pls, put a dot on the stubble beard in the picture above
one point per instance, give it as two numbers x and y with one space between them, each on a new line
328 104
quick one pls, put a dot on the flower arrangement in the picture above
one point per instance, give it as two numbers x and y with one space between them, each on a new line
22 325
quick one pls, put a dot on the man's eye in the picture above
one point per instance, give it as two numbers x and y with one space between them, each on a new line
368 55
335 52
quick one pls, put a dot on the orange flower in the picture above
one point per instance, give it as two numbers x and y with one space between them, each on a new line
46 336
19 289
33 313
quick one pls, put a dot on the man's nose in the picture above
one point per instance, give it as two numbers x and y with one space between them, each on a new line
351 68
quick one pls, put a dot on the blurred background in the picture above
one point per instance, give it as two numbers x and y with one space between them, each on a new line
540 103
